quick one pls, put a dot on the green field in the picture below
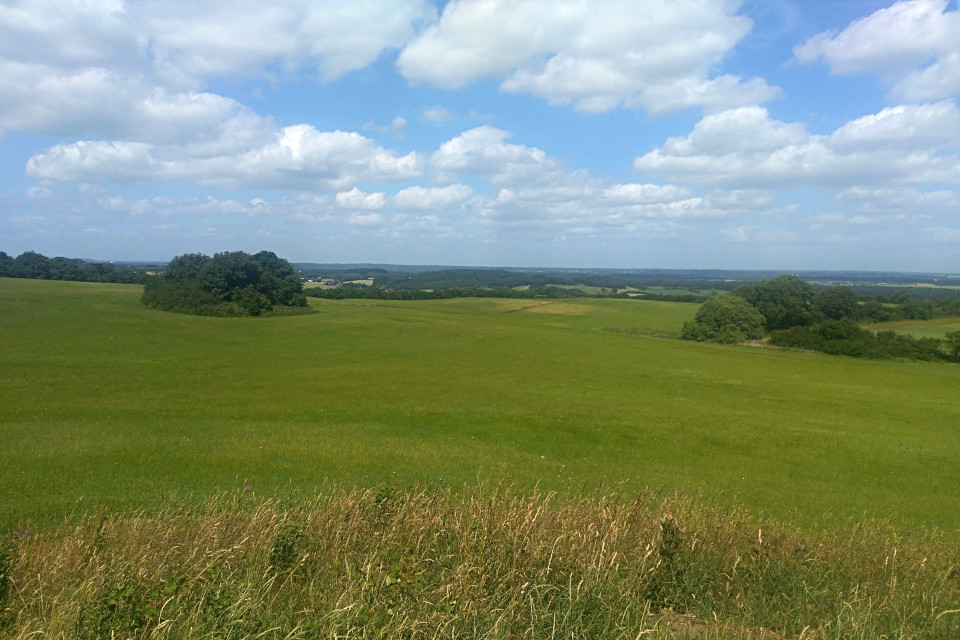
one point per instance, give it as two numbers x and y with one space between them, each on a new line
936 328
104 402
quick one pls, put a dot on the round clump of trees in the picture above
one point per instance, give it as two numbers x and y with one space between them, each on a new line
231 283
725 318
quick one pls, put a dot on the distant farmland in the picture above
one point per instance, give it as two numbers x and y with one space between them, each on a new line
103 402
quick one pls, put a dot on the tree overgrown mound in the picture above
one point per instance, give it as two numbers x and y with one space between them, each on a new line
232 283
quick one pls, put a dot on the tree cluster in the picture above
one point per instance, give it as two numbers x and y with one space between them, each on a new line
33 265
846 338
231 283
726 319
796 315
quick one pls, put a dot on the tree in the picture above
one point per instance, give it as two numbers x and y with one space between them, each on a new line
725 318
31 264
229 283
229 272
837 303
952 343
6 264
185 267
900 296
784 301
68 269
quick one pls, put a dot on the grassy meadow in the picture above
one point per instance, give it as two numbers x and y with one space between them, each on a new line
935 328
462 469
106 404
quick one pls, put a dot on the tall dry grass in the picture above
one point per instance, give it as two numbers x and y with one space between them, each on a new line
489 562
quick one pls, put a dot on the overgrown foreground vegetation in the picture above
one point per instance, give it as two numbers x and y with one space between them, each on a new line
485 563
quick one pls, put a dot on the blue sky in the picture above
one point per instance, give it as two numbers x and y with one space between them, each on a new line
773 134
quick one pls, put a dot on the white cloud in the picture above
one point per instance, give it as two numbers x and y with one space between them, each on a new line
432 199
404 225
302 207
299 156
437 114
243 37
717 94
746 148
938 80
910 200
69 33
595 55
365 220
133 71
100 102
907 128
753 234
356 199
913 43
483 151
643 193
398 127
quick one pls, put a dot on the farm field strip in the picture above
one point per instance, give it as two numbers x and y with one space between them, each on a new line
103 402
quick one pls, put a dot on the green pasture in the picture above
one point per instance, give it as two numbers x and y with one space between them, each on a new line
105 403
935 328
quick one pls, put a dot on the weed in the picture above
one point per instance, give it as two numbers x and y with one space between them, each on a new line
666 587
7 556
489 562
285 553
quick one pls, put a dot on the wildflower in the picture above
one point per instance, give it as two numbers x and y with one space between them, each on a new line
246 489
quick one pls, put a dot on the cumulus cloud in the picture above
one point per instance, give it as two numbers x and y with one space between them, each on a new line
594 55
69 33
101 102
634 193
437 114
432 199
913 44
106 68
356 199
483 151
299 156
405 225
745 147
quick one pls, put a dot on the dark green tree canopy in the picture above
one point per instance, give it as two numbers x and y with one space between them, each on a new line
186 267
6 264
837 303
784 301
229 283
725 318
31 264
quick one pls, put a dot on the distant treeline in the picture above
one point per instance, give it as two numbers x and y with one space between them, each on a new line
793 314
361 292
507 279
920 303
31 264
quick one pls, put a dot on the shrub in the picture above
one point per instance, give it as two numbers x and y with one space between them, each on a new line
726 319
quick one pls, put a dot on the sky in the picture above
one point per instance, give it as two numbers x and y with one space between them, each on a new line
720 134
